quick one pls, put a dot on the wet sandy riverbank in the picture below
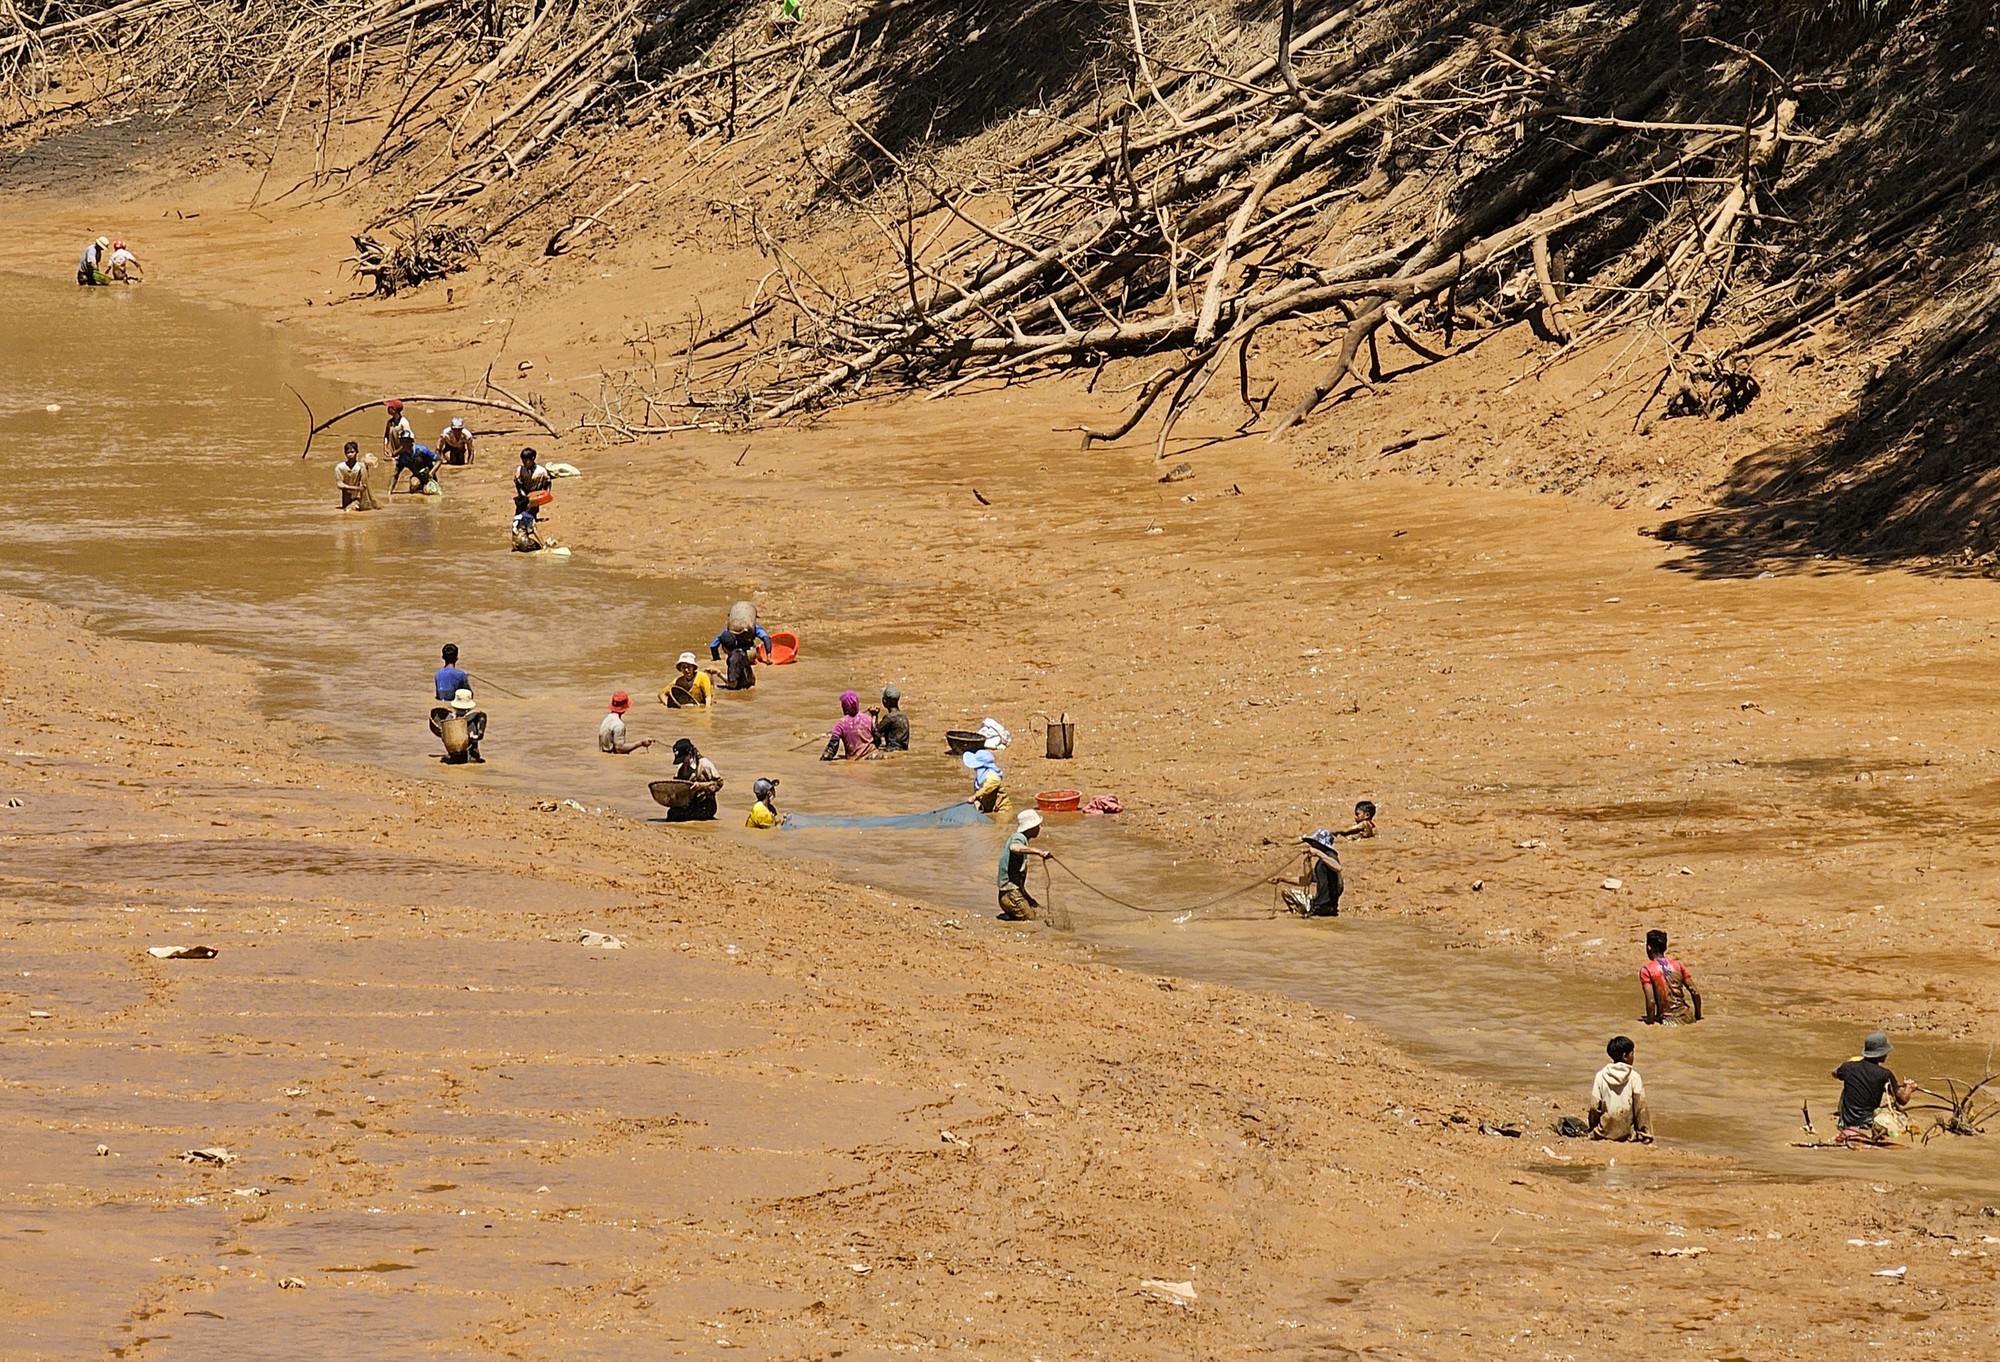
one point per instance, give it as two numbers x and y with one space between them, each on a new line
864 529
465 1132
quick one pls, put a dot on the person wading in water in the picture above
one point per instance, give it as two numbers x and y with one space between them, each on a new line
1016 903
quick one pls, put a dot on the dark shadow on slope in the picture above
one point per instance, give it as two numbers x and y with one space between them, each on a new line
1910 479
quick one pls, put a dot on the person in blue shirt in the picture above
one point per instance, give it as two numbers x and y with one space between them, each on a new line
452 678
745 643
420 462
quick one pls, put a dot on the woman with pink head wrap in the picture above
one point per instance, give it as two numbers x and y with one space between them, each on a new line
853 735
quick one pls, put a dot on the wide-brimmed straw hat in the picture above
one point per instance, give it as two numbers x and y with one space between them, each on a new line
1027 820
103 241
620 702
462 700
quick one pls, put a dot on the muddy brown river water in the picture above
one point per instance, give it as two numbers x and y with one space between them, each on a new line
156 483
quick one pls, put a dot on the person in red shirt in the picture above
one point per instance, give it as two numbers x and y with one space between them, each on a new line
1667 987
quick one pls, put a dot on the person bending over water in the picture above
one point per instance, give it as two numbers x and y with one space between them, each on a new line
455 443
742 643
989 785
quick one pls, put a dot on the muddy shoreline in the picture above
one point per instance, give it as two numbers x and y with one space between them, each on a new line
1494 669
460 1128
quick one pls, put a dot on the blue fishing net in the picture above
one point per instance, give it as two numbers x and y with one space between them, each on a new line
959 815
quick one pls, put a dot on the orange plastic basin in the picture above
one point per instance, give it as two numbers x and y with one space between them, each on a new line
784 647
1059 801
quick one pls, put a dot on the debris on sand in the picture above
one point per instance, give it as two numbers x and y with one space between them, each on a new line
213 1157
602 941
181 952
1173 1293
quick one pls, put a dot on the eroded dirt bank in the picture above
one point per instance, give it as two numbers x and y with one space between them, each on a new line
796 1116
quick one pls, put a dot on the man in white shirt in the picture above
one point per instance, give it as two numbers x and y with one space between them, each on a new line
455 442
611 733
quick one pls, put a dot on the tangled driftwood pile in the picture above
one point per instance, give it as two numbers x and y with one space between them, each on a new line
1373 184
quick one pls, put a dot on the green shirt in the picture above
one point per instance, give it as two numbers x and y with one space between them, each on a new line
1014 862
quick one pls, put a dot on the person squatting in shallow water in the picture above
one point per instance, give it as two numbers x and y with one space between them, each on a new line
1016 903
1864 1081
1315 891
455 443
526 535
1668 989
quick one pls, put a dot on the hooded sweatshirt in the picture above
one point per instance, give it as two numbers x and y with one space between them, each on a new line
1618 1098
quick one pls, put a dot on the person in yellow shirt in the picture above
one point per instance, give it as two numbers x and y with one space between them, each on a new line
691 686
764 813
989 789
